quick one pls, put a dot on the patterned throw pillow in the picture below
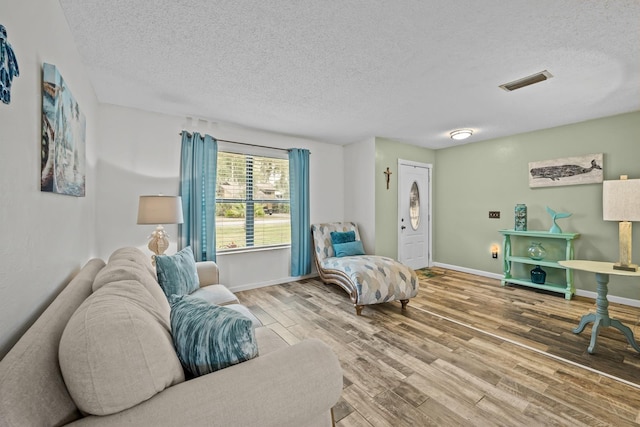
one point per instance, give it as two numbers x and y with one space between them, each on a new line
348 249
177 274
208 337
338 237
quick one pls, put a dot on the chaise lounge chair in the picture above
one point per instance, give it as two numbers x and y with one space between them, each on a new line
368 279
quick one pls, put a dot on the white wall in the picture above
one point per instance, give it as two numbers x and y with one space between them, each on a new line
48 238
140 154
45 237
359 185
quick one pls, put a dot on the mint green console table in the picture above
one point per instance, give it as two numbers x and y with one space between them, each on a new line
559 247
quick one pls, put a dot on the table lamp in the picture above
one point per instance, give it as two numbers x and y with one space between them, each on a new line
159 210
621 202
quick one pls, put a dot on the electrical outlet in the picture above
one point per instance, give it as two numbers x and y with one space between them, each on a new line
494 214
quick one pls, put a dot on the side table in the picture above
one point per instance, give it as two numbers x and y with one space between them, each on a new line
601 316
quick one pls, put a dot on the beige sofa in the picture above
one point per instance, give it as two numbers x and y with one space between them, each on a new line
284 386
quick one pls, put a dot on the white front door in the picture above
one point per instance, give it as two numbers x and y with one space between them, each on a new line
414 213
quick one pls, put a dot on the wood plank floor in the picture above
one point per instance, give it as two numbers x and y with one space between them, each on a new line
466 352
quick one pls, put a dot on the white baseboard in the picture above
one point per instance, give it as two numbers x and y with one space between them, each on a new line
249 286
612 298
588 294
468 270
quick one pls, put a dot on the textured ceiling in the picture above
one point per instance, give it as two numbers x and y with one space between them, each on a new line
341 71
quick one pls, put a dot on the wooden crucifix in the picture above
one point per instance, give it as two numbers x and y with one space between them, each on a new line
388 174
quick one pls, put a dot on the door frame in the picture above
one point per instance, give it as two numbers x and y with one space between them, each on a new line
429 167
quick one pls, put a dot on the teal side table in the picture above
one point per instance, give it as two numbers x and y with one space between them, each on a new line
601 317
548 239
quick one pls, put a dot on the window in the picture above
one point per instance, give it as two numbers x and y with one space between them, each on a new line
252 201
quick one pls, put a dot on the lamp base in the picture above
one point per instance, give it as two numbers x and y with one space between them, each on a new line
625 264
625 267
158 242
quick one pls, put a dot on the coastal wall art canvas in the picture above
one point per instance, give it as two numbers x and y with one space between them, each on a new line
62 168
566 171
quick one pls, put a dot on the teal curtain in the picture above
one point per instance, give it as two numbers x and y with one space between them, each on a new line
199 158
300 223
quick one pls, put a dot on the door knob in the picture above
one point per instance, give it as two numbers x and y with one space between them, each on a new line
403 227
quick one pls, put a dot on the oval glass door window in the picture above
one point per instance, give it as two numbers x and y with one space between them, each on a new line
414 206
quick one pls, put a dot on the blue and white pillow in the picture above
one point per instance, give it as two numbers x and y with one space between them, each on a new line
177 274
208 337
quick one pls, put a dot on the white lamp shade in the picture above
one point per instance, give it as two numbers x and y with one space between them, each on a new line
621 200
160 210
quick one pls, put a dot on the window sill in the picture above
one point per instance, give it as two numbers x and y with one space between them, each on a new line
251 250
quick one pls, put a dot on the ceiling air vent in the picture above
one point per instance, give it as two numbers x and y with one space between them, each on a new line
526 81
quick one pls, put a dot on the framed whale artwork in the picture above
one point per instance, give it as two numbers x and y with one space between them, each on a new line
585 169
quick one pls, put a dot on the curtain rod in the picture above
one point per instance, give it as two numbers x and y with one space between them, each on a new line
246 143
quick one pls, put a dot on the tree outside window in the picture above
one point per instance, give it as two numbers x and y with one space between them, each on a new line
252 202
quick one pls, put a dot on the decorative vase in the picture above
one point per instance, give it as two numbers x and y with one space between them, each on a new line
536 251
520 217
538 275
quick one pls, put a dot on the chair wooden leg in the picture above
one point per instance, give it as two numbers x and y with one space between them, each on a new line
404 303
358 309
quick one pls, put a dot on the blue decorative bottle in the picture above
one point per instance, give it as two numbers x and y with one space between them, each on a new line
538 275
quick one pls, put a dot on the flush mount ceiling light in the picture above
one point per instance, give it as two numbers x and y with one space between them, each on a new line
460 134
526 81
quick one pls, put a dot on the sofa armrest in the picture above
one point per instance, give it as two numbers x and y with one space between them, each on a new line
208 273
287 387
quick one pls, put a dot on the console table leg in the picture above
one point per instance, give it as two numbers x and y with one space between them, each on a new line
583 322
594 336
627 333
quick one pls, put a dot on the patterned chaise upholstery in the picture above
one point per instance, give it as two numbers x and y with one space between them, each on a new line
368 279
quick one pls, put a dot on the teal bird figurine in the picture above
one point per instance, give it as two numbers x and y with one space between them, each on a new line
554 216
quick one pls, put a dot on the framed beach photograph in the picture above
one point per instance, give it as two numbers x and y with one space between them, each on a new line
62 167
585 169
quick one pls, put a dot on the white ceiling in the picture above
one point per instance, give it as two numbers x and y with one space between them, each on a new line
341 71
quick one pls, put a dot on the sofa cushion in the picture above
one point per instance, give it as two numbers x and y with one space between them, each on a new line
124 268
116 350
216 294
135 255
269 341
177 274
209 337
245 312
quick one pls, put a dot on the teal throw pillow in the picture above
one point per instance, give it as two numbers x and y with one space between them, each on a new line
349 249
208 337
342 237
177 274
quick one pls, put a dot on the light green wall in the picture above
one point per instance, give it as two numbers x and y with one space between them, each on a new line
472 179
387 154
